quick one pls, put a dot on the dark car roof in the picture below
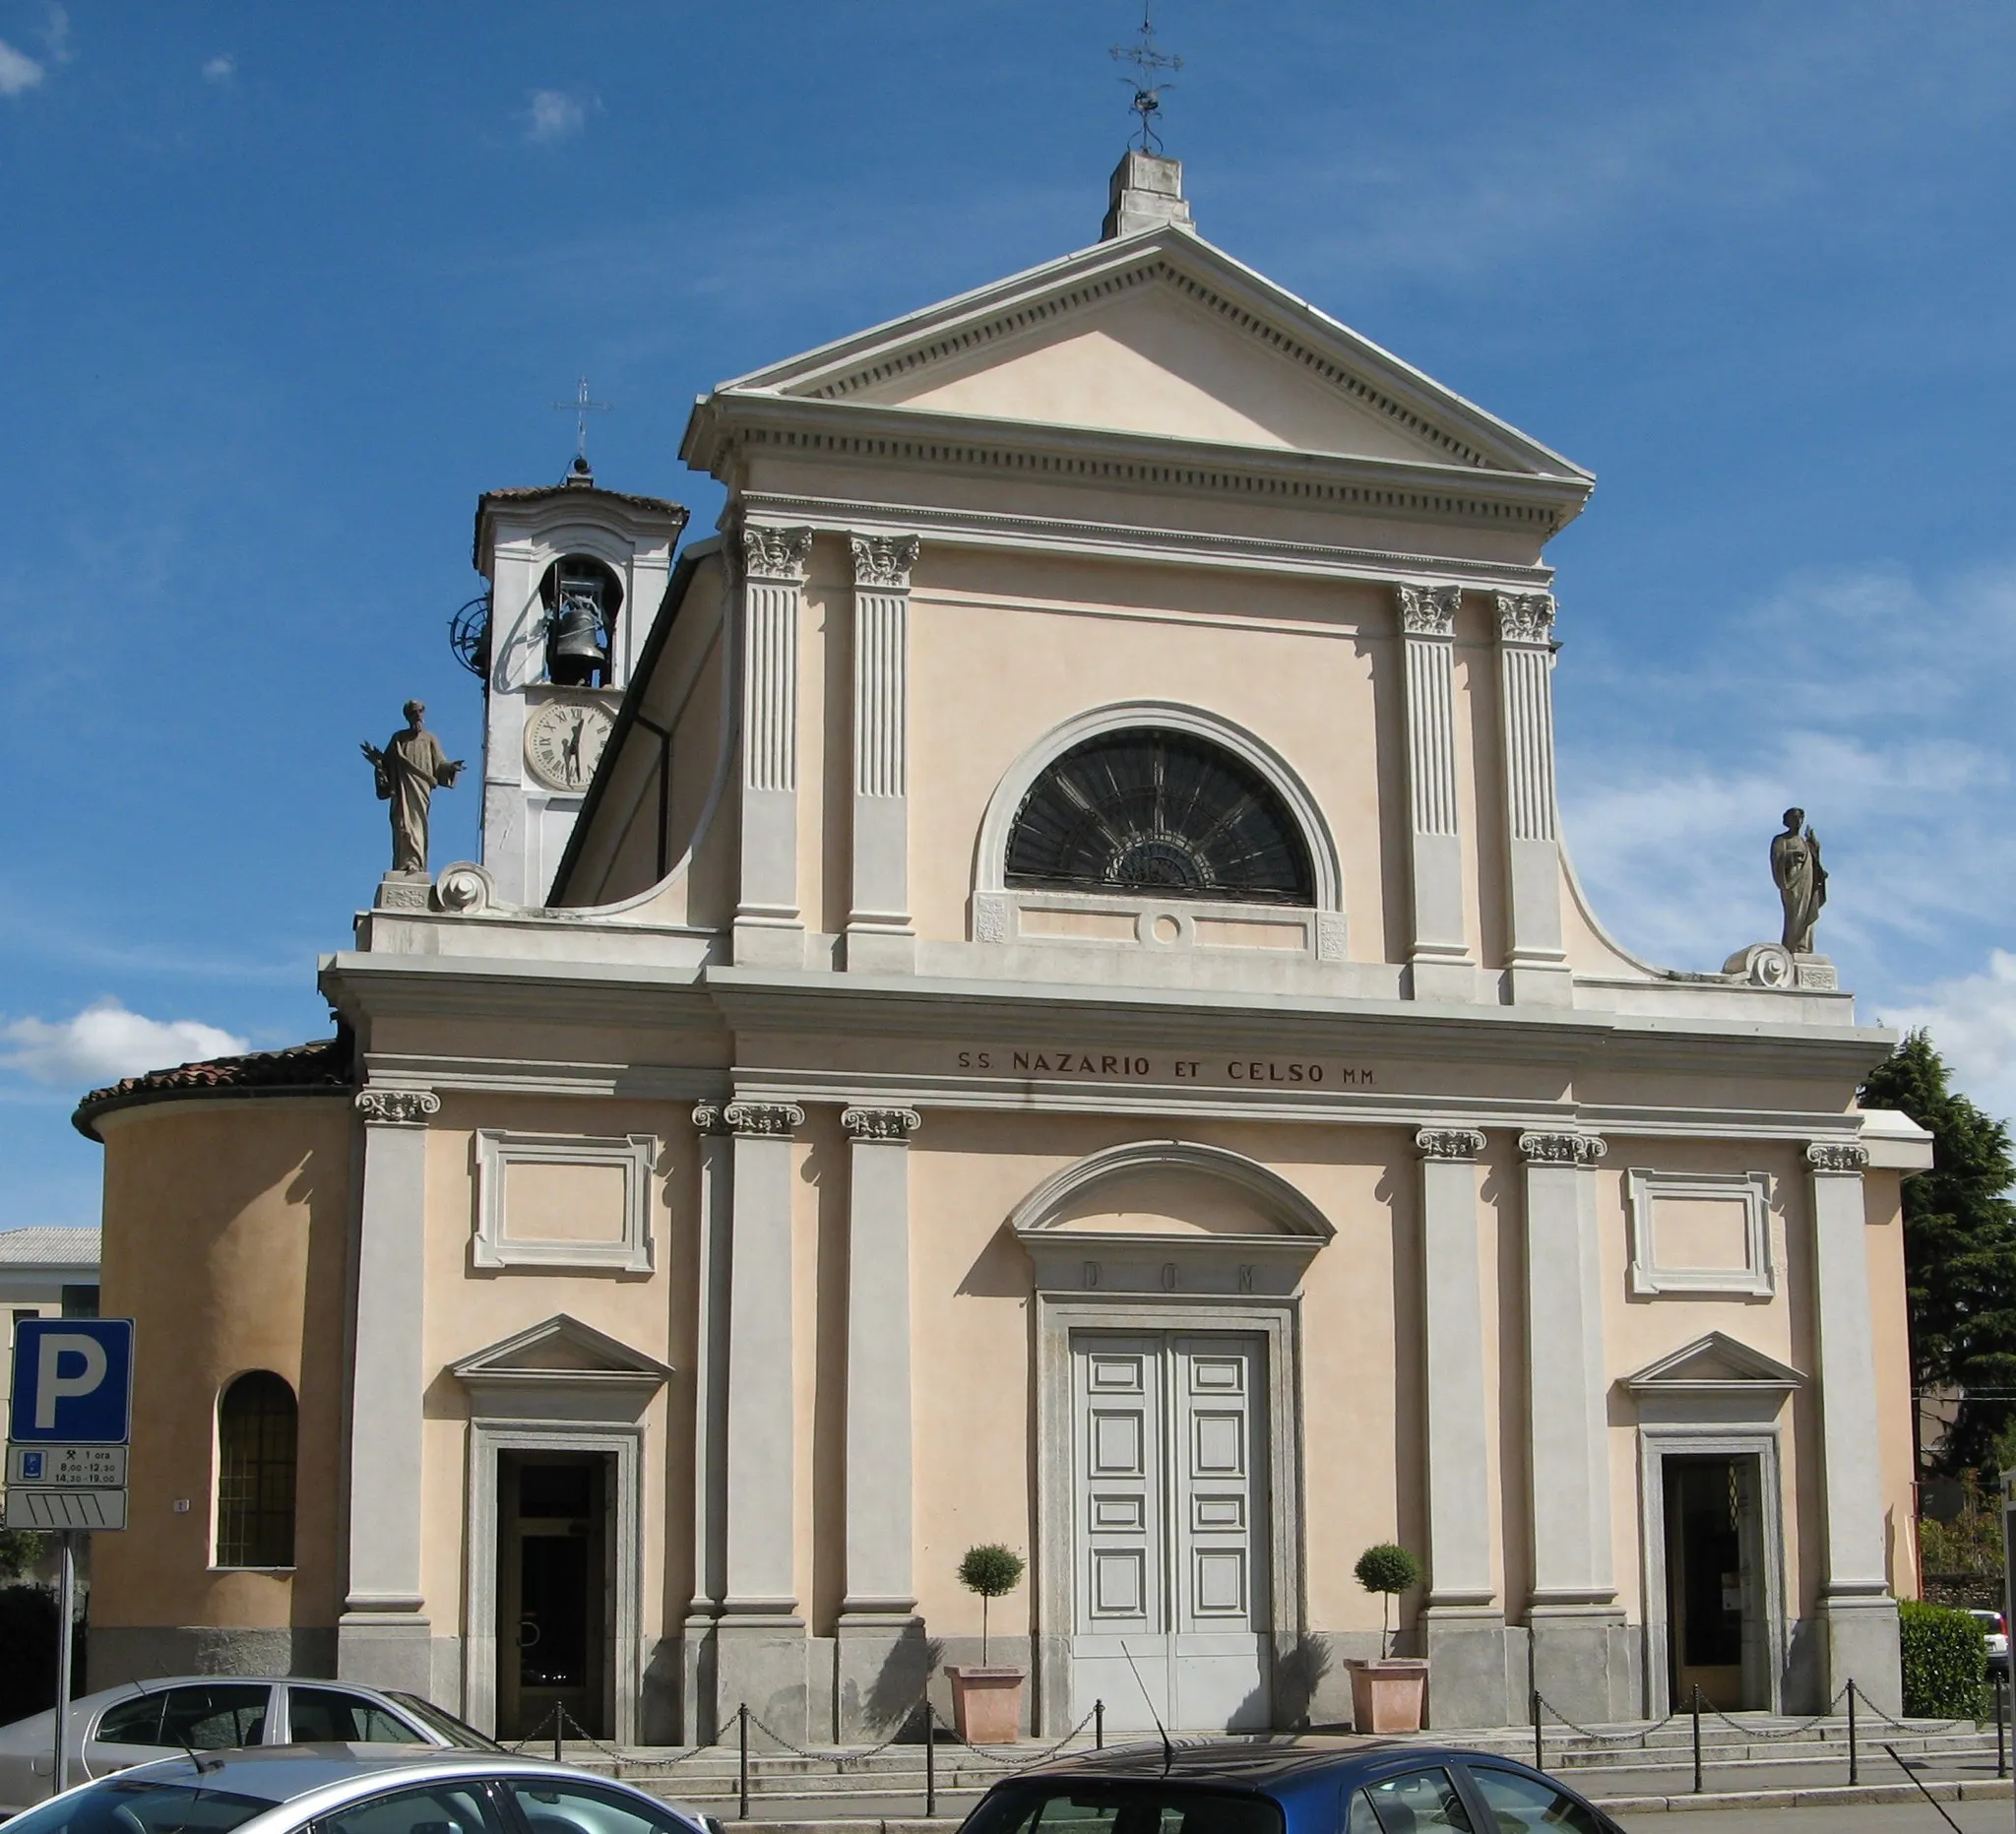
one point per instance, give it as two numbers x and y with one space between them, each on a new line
1260 1764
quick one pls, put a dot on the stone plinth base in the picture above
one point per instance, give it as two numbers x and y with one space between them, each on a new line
881 1662
761 1661
404 891
1583 1661
1863 1647
1472 1664
386 1649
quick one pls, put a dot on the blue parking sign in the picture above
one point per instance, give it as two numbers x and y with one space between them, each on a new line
73 1381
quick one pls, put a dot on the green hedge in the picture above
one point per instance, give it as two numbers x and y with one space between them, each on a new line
1945 1660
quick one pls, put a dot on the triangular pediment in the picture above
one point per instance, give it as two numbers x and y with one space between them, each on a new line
1165 337
561 1348
1714 1361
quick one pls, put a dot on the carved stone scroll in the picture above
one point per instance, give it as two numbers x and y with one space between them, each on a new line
398 1108
764 1120
896 1124
1563 1149
1448 1143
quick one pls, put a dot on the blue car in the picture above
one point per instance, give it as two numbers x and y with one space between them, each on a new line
1287 1786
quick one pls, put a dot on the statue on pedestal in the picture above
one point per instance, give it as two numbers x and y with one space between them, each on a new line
1800 879
408 772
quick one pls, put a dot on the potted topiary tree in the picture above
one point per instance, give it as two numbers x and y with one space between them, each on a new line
1386 1693
986 1701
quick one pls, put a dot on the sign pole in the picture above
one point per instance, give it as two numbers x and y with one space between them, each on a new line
65 1605
2009 1560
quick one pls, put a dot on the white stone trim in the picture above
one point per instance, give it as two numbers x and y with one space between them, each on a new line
1439 947
991 894
1851 1450
772 590
623 1555
1455 1396
1714 1434
1218 931
498 1150
879 930
1755 1279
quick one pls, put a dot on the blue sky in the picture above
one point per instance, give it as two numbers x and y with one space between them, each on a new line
281 289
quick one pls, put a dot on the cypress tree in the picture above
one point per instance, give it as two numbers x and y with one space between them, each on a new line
1959 1251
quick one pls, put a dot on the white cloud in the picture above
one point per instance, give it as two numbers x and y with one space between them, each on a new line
17 71
553 114
220 69
1972 1023
105 1041
56 37
1845 694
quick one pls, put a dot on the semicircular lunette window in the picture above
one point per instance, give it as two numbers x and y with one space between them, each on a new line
1148 810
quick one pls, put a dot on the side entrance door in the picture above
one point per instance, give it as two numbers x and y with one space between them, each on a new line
1169 1529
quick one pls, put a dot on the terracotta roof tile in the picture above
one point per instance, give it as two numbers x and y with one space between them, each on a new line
325 1063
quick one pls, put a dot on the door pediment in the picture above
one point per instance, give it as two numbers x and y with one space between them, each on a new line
560 1370
1169 1216
1714 1378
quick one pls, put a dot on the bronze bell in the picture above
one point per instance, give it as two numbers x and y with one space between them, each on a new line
577 653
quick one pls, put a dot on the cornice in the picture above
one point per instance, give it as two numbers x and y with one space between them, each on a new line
725 425
1132 541
751 1002
1211 279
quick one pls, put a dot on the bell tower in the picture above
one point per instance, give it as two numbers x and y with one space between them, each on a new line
576 575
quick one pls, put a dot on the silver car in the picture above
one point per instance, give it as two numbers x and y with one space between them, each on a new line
120 1726
354 1788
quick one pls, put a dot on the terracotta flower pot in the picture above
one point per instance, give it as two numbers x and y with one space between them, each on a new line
1387 1693
986 1703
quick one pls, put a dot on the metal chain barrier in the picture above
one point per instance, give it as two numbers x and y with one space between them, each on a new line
1788 1732
1912 1726
842 1760
1639 1733
1023 1763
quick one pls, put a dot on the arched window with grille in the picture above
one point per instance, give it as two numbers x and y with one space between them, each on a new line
257 1422
1146 809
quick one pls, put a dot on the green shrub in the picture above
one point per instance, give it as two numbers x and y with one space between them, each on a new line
1945 1659
992 1571
1387 1568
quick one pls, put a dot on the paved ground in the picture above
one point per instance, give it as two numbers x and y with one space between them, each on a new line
1918 1818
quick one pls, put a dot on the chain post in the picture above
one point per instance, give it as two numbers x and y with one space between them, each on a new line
742 1737
1855 1757
930 1762
1696 1704
1099 1727
2001 1746
1540 1755
559 1729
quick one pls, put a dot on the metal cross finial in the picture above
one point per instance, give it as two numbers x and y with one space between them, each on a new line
1147 62
581 407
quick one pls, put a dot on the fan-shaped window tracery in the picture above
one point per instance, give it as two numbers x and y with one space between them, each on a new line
1152 810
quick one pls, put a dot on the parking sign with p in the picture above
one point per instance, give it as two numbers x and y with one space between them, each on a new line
73 1381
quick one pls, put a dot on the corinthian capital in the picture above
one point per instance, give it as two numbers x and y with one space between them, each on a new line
1837 1156
398 1108
895 1124
1563 1149
1428 611
764 1119
882 562
1525 618
1448 1143
775 553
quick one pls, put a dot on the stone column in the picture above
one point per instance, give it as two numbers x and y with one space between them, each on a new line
879 937
1581 1654
383 1637
769 929
883 1659
760 1650
698 1699
1536 957
1442 967
1463 1627
1856 1602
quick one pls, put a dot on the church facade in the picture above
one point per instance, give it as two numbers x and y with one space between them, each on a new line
1028 989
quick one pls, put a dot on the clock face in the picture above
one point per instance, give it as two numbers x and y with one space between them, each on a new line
563 742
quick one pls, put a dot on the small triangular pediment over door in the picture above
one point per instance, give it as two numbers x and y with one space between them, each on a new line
560 1369
1710 1378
